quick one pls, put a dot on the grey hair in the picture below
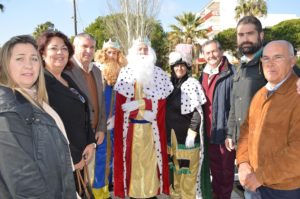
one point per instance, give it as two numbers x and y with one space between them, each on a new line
211 42
82 35
289 45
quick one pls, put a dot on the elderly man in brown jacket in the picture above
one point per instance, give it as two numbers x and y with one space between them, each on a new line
268 153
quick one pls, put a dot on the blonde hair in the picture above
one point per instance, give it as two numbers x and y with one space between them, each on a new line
101 57
7 81
112 68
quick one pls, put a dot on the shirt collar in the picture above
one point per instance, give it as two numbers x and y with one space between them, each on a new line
212 71
81 66
245 59
274 88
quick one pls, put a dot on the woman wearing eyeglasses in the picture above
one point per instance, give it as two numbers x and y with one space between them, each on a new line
65 97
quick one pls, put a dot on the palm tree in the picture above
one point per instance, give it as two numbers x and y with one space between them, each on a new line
188 29
251 7
1 7
42 28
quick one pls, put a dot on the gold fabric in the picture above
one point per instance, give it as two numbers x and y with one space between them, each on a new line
91 167
144 182
101 193
184 185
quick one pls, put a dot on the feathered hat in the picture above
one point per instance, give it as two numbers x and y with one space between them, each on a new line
176 58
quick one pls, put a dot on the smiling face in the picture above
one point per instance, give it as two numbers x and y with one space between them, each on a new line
212 54
56 55
84 50
180 70
24 65
277 62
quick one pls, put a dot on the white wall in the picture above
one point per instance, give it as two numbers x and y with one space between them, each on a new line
227 14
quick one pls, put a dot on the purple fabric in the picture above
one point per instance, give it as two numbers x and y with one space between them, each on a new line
221 163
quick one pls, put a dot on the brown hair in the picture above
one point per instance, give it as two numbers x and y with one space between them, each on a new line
45 38
251 20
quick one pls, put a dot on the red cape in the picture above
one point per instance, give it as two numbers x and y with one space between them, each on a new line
118 148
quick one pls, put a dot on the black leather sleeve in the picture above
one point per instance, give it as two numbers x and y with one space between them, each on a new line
195 121
19 171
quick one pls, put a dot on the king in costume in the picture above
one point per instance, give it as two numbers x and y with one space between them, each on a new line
110 59
140 156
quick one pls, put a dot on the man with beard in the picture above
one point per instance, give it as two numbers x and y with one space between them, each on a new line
247 81
140 154
111 59
249 77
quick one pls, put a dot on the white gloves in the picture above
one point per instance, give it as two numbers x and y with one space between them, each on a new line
130 106
149 116
190 138
110 123
133 105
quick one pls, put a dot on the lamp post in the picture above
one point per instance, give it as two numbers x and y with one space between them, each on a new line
75 17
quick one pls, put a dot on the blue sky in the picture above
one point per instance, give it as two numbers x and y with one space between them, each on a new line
23 16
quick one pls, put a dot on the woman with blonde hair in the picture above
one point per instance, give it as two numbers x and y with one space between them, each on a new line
35 159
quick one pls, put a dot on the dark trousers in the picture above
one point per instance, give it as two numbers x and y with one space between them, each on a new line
268 193
221 163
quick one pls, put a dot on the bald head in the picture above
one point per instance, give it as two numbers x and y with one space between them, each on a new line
289 47
277 61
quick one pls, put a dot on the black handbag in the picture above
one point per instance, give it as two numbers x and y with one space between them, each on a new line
85 189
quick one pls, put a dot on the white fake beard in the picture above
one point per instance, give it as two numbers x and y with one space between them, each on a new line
143 68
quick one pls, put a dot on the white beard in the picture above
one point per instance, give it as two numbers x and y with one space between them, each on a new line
143 68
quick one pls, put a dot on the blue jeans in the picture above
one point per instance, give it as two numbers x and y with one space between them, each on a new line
251 194
268 193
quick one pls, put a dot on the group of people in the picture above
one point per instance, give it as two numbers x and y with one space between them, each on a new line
141 132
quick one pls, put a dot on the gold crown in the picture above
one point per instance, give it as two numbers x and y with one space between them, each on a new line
111 44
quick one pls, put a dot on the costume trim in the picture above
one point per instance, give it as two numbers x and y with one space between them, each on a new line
125 131
201 153
156 141
192 97
160 88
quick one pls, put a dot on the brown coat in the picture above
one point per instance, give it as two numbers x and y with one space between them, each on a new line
270 137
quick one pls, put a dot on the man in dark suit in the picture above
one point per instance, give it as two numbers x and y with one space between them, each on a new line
89 80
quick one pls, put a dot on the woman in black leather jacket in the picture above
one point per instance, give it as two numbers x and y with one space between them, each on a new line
35 160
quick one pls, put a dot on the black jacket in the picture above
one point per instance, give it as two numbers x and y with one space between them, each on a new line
177 121
73 110
34 154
